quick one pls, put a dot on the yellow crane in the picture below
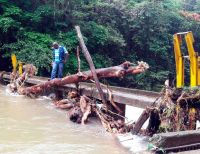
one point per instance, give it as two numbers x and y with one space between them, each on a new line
192 56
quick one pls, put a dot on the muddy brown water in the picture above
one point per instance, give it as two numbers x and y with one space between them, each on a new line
34 126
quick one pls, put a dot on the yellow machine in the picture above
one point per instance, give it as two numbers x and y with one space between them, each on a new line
193 58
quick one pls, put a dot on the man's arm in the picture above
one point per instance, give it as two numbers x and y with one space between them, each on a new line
66 55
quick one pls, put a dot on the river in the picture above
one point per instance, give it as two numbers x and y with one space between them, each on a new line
35 126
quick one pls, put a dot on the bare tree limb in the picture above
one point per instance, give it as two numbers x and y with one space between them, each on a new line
91 64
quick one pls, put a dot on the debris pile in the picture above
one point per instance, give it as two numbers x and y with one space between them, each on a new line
80 106
17 81
179 109
174 110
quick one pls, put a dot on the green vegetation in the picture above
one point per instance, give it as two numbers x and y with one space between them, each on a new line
114 31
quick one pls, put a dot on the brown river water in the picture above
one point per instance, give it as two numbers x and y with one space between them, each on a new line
35 126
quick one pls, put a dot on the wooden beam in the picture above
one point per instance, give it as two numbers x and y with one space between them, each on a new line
176 139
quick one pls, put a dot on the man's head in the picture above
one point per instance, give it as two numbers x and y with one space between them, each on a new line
55 45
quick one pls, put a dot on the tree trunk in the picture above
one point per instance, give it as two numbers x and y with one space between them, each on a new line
110 72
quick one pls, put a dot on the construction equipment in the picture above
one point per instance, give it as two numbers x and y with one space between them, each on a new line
192 56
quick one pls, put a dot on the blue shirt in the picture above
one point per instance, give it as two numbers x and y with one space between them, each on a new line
57 54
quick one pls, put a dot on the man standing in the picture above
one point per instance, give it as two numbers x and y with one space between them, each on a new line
60 56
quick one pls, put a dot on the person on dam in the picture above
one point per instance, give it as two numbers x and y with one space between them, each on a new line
60 56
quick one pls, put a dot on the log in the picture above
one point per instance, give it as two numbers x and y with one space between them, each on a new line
86 108
91 64
65 103
110 72
142 119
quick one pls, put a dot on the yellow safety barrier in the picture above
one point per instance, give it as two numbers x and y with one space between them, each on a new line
198 74
15 63
20 69
179 62
193 58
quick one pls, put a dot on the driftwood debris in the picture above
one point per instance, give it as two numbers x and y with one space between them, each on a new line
81 107
17 82
65 103
81 110
143 118
86 108
175 110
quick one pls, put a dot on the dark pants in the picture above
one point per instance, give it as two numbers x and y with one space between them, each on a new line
57 66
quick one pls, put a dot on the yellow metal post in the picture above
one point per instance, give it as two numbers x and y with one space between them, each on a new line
14 62
198 75
20 68
179 62
193 56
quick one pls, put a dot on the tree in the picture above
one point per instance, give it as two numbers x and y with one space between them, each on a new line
114 31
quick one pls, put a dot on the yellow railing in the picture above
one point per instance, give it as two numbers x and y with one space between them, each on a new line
179 59
16 63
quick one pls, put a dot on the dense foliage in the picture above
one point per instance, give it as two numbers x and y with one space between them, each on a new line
114 31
